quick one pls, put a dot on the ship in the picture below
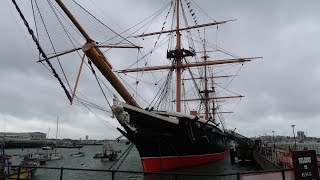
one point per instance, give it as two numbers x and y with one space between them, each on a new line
177 129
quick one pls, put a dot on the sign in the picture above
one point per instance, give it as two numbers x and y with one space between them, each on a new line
285 159
305 165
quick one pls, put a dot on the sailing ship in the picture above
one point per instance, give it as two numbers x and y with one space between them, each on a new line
176 129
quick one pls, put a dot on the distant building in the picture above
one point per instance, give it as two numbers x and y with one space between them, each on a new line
87 137
23 136
301 136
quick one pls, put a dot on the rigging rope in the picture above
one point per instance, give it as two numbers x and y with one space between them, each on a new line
232 78
87 104
113 128
103 23
35 23
155 44
54 49
189 36
94 73
41 51
163 91
193 80
202 10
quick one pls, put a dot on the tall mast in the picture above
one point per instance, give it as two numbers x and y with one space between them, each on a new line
206 93
57 128
178 59
177 54
99 60
55 149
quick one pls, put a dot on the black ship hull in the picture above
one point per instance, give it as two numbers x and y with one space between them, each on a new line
171 140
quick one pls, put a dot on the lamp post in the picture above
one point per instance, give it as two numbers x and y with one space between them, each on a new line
274 148
273 138
294 137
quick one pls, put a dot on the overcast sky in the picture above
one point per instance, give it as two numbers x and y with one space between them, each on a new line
281 89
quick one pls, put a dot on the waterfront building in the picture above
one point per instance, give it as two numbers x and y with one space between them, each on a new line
301 136
23 136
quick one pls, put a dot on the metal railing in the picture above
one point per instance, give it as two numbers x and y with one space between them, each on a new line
171 175
300 147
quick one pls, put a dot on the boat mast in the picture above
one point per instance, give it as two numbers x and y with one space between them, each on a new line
57 128
55 149
179 62
99 60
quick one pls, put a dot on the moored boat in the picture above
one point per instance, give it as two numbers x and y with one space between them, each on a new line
53 156
109 153
98 155
24 174
79 154
12 172
47 148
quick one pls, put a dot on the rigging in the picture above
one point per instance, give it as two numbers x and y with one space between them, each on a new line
40 50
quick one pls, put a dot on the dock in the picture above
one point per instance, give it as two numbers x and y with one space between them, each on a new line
266 162
276 162
11 143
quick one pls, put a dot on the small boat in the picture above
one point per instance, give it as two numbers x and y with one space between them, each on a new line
109 154
98 155
47 148
79 154
22 175
53 156
110 157
9 172
31 160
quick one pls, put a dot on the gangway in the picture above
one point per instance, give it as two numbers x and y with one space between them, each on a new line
240 139
245 146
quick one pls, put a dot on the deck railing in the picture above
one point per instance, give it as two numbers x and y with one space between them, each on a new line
168 175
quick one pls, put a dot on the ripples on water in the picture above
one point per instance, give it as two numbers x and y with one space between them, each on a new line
131 163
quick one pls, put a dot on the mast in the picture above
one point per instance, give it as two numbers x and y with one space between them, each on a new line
57 128
55 149
206 93
99 60
179 53
178 60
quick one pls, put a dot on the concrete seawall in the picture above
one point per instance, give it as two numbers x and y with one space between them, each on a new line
26 143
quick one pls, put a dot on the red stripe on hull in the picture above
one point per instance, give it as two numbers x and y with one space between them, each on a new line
166 163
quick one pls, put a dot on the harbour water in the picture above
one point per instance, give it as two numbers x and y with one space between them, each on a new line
131 163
